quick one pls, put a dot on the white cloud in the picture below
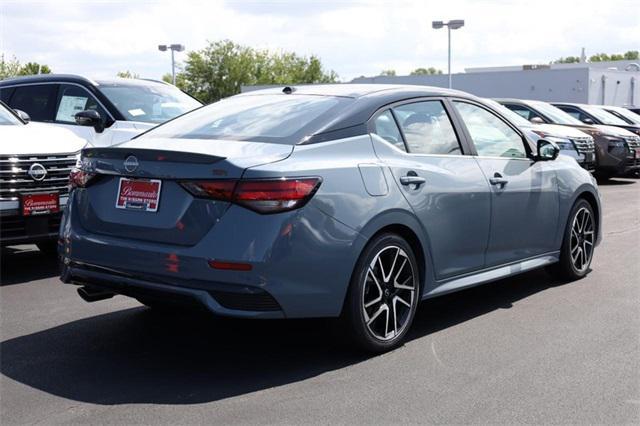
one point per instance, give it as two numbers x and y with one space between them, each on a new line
355 38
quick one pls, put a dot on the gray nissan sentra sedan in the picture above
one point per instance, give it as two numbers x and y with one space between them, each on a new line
349 201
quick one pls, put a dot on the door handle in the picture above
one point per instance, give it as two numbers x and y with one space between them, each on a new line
497 179
412 180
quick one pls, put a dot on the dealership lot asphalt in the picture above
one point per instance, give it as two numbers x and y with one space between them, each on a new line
522 350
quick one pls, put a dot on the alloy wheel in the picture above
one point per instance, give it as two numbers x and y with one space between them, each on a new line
389 293
582 239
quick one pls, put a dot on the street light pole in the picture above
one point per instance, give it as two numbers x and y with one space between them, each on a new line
174 48
451 25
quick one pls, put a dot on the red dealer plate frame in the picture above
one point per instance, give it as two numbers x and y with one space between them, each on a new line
139 194
38 203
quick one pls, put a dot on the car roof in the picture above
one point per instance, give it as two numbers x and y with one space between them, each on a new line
76 78
350 90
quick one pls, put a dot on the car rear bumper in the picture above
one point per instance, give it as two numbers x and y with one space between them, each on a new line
288 254
219 298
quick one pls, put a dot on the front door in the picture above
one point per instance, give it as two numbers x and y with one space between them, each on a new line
524 194
445 188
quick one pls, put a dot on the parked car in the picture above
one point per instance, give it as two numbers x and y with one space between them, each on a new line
592 114
35 162
104 112
350 201
617 150
572 142
622 113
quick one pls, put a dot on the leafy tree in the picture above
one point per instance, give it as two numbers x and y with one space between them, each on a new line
127 74
426 71
223 67
9 67
390 73
32 68
567 60
603 57
12 68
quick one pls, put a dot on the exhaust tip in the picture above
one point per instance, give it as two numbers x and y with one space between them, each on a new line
93 294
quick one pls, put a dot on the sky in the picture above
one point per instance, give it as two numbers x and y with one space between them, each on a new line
101 37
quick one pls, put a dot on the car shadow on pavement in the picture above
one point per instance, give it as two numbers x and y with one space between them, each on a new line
616 182
17 265
140 356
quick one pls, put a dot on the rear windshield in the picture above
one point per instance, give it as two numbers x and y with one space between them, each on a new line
285 119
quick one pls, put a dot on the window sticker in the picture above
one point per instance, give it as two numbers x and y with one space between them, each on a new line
136 112
69 107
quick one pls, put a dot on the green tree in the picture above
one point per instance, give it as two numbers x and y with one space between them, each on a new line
32 68
9 67
127 74
223 67
12 68
567 60
390 73
425 71
603 57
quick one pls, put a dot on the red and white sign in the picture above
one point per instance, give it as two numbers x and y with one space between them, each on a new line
139 194
43 203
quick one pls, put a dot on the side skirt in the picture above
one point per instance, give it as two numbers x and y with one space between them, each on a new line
493 274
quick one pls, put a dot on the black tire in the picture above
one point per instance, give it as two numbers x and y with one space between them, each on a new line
603 176
48 248
566 268
363 286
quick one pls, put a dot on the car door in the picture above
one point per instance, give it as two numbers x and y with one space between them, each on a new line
73 99
445 188
524 196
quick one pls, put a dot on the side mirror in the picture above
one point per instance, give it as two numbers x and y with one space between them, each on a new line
23 115
90 118
547 150
537 120
587 120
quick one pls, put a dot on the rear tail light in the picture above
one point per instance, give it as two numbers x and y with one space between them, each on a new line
261 195
79 178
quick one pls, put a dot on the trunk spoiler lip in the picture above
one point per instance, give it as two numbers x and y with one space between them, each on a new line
146 154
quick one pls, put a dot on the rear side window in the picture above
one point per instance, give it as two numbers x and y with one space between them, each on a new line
386 127
36 100
491 136
427 128
285 119
74 99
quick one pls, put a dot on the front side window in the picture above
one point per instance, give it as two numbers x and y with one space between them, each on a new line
386 127
149 103
285 119
556 115
575 113
522 111
427 128
74 99
491 136
38 100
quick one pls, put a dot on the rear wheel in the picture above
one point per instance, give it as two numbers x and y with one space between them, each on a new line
383 294
578 243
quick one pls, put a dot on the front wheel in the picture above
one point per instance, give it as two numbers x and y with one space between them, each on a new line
383 294
578 243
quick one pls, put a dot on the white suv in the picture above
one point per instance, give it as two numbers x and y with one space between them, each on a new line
104 112
35 161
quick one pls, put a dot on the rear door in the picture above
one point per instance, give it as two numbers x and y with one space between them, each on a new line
445 187
524 193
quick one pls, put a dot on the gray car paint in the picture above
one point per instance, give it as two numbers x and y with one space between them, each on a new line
466 231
